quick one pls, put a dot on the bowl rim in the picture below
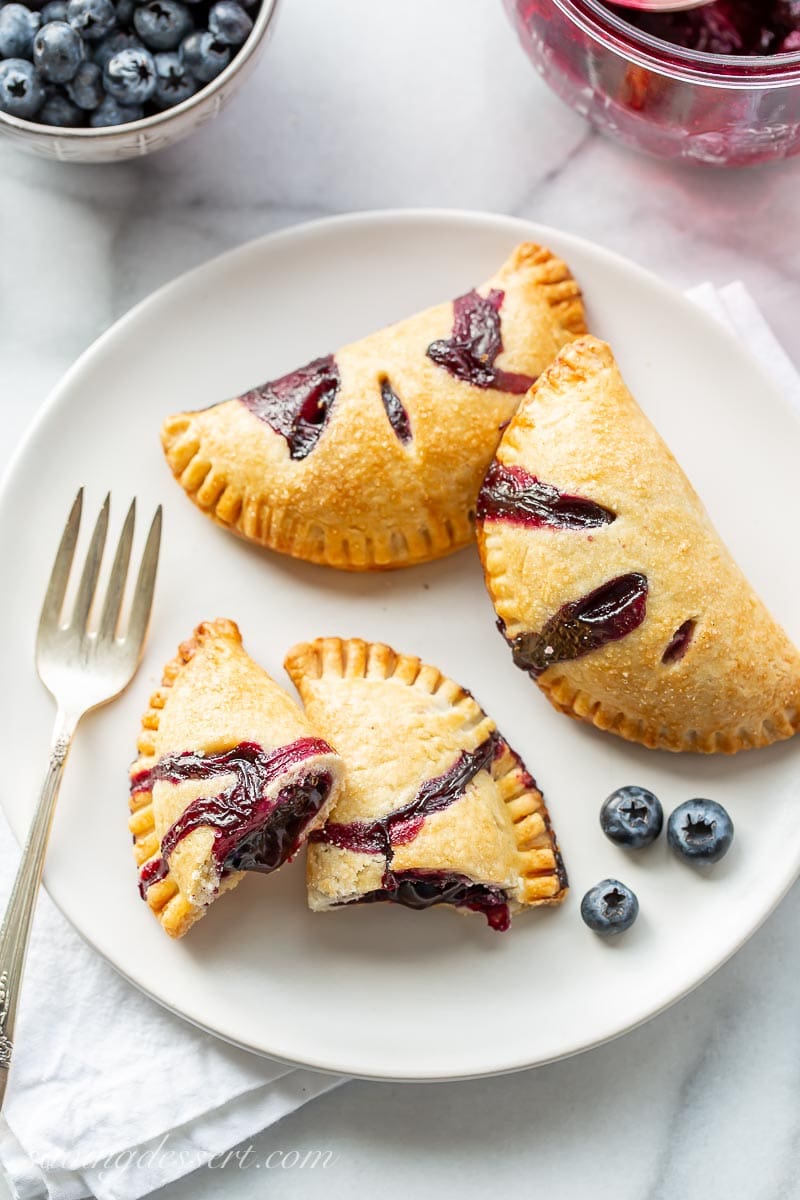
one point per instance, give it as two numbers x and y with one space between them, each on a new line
245 52
743 71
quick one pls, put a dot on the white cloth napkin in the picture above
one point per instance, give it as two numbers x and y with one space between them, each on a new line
87 1111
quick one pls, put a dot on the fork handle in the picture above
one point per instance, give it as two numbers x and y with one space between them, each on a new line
16 927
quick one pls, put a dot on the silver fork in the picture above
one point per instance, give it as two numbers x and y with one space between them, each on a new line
82 667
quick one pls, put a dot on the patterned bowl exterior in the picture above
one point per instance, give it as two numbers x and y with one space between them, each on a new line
119 142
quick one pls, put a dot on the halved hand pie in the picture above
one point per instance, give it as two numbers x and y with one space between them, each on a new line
231 777
372 457
437 808
611 585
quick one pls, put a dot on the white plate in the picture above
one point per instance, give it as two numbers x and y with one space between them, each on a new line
381 991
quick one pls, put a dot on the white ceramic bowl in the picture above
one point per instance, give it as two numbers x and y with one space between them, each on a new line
118 142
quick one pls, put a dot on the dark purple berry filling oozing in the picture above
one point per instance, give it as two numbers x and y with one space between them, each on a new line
251 832
403 825
470 351
270 845
679 642
422 889
511 494
605 615
398 417
298 405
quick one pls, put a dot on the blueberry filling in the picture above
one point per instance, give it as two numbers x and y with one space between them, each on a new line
398 417
402 826
422 889
726 27
298 405
679 643
511 494
251 831
605 615
272 844
469 353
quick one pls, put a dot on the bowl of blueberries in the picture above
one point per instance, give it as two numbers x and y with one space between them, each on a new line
104 80
717 84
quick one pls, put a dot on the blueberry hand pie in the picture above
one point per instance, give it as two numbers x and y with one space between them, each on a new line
612 587
230 777
437 808
372 457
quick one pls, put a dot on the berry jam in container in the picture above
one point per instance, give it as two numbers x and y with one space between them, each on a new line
733 108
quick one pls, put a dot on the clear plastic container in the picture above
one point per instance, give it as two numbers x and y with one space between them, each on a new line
658 97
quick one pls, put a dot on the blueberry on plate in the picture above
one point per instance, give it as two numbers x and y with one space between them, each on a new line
174 83
229 23
86 88
17 28
59 110
58 51
92 19
162 24
130 76
204 56
609 908
632 816
700 831
21 91
109 112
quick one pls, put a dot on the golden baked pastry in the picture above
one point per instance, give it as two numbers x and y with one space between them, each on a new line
372 458
611 585
230 777
437 808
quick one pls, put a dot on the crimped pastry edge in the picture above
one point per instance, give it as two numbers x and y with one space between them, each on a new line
173 909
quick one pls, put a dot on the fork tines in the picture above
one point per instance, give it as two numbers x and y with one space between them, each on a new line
52 618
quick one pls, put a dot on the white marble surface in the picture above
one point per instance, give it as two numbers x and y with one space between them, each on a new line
362 104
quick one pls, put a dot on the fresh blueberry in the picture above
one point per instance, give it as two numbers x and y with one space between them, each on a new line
109 112
56 10
92 19
632 816
125 10
104 51
609 908
173 80
86 89
204 56
21 92
57 51
17 28
162 24
700 831
229 23
58 110
130 76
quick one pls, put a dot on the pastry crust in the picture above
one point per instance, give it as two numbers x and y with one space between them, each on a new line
367 497
399 724
213 698
735 682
